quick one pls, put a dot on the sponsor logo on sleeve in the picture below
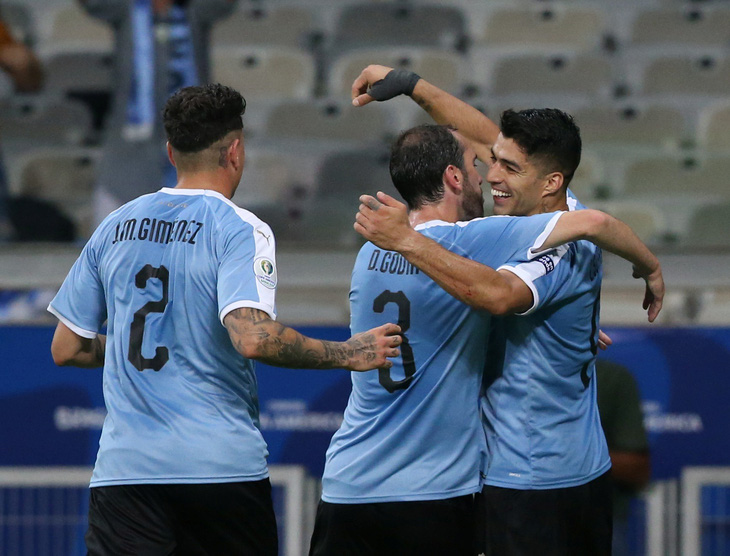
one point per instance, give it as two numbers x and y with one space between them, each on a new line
265 272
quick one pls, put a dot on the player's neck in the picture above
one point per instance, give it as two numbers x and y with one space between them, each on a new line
429 213
553 203
204 180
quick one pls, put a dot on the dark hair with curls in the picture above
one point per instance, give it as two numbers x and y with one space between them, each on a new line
418 160
197 117
547 134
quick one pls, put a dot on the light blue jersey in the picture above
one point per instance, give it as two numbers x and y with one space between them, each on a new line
163 271
414 432
540 410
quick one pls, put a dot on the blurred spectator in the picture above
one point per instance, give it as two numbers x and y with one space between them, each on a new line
619 405
24 70
161 46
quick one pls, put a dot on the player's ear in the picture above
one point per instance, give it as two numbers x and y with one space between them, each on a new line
553 182
170 155
453 178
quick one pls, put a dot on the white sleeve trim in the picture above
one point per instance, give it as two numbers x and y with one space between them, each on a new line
533 251
75 329
527 278
266 308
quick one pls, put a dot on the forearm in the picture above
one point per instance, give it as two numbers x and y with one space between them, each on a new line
81 352
446 109
256 336
470 282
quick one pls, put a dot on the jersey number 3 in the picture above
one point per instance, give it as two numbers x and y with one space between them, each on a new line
136 331
406 351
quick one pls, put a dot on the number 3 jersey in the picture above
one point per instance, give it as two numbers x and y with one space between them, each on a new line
163 271
413 432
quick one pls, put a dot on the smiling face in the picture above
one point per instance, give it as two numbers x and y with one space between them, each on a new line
517 183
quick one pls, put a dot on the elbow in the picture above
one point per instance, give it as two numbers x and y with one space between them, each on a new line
61 358
251 350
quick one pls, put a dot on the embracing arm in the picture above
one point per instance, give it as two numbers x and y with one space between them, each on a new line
384 221
378 83
256 336
614 236
70 349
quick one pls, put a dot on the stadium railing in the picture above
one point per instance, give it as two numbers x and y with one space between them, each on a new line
43 509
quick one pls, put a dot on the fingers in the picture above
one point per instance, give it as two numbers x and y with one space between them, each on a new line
360 85
391 329
362 100
370 202
654 309
387 199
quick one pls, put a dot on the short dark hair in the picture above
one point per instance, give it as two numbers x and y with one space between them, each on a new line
197 117
548 134
418 160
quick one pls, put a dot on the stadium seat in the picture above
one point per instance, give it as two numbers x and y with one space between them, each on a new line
589 181
265 72
43 122
346 175
682 25
681 75
19 18
645 219
65 177
444 68
631 126
552 74
78 71
710 226
391 24
673 175
73 28
329 121
714 127
267 178
543 25
292 26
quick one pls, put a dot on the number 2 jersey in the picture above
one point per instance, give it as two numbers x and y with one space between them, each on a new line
413 432
163 271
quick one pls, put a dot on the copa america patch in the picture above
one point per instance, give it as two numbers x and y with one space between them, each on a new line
265 272
547 262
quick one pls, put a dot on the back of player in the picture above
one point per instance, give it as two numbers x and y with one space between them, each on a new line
411 450
181 400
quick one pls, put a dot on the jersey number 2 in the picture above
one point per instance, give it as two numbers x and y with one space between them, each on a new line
136 331
406 351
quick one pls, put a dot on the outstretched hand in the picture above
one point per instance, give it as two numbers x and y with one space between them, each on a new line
654 294
384 221
370 350
365 81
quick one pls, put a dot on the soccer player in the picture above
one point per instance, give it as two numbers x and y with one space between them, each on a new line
185 281
401 471
547 488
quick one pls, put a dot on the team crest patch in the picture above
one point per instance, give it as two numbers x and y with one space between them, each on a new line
547 262
265 272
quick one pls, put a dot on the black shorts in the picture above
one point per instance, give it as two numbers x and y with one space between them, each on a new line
182 519
575 521
424 528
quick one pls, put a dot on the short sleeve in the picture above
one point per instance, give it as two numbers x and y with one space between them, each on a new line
80 303
538 269
247 274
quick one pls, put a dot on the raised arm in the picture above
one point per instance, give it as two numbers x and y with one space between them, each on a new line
384 221
256 336
383 83
70 349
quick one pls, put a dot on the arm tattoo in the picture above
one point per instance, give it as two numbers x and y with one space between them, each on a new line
279 345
